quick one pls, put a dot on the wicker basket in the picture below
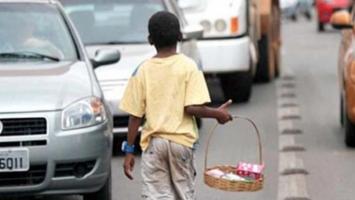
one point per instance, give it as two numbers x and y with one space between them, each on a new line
227 185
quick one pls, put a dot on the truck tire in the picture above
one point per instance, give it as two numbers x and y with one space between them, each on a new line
237 86
349 132
105 193
265 71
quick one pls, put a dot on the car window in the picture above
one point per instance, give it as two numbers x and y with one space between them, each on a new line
36 31
112 21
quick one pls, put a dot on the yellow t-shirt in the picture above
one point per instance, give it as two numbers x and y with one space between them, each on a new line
159 90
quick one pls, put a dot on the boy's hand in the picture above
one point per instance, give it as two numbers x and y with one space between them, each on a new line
128 165
224 115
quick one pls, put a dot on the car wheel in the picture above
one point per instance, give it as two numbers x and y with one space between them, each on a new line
105 193
237 86
349 132
264 71
320 27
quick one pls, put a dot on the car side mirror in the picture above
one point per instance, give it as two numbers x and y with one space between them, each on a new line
105 57
341 20
192 32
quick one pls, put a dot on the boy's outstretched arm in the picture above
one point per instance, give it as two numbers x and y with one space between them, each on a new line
133 127
221 113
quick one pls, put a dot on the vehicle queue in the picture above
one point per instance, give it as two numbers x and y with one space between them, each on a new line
83 53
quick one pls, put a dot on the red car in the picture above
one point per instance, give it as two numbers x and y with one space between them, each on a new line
325 9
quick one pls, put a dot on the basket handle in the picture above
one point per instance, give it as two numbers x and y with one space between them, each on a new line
211 133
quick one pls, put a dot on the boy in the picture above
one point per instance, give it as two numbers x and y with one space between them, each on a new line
169 91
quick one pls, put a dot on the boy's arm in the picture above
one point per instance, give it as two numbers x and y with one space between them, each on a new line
221 113
133 126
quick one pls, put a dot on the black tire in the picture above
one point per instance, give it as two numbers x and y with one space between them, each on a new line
320 27
349 132
116 145
263 73
237 86
105 193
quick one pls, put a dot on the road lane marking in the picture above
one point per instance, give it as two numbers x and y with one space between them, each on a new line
293 187
288 127
290 164
288 144
292 171
289 113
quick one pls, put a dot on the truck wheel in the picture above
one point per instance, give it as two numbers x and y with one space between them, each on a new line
320 27
264 71
349 132
104 193
237 86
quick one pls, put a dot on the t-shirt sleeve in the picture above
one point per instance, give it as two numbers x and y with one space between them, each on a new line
196 89
133 101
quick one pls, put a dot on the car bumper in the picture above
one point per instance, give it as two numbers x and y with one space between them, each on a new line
225 55
61 154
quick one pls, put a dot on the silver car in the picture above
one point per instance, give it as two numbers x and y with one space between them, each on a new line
55 129
123 25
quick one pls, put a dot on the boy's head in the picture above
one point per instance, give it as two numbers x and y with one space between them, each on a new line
164 30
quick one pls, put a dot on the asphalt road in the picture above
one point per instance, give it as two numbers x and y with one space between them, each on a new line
312 57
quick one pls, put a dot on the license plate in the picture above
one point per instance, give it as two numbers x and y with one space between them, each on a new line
14 160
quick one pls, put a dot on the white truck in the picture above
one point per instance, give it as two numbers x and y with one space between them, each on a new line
240 43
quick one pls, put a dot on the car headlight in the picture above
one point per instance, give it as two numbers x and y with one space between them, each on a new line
84 113
220 25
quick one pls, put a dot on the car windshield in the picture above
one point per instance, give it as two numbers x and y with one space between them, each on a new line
34 32
112 21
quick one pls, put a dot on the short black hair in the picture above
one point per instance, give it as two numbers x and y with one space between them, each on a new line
164 29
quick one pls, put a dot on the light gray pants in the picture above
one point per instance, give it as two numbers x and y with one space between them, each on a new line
168 171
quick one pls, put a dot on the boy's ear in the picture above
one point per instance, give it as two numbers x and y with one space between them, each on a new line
150 40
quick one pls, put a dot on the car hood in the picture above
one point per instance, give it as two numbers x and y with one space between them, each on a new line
39 87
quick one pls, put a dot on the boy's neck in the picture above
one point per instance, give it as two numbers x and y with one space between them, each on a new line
166 52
